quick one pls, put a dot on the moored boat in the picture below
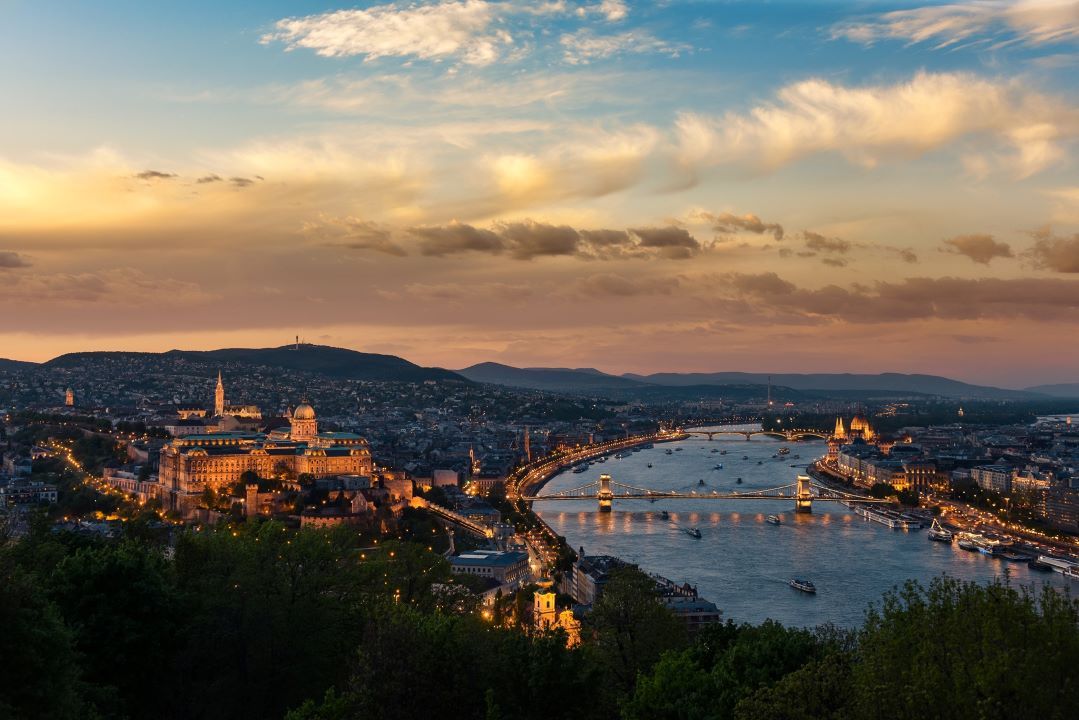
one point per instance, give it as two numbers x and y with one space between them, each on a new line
939 533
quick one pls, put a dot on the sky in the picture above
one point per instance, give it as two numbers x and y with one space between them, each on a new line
633 186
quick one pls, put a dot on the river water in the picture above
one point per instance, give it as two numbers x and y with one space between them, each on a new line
741 562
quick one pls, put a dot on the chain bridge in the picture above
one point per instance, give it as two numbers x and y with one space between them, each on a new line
802 492
789 435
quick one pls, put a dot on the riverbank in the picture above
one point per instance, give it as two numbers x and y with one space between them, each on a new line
545 544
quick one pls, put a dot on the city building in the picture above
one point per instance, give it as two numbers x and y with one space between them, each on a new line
191 464
507 567
995 478
695 612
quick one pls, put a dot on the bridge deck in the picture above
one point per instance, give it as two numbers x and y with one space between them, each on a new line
693 496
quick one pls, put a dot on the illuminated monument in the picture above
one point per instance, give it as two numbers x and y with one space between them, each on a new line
193 463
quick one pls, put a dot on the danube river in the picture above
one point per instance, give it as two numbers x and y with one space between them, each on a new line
741 562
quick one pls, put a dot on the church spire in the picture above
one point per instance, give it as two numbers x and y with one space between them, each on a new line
219 396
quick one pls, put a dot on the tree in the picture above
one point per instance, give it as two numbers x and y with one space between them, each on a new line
121 604
981 651
631 626
38 663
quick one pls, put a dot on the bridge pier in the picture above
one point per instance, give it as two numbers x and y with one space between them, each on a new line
803 498
605 495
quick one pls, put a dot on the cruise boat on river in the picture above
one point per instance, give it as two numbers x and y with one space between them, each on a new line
774 520
784 451
804 585
693 532
939 533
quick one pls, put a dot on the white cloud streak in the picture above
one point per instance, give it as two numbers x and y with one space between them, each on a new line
1035 22
870 123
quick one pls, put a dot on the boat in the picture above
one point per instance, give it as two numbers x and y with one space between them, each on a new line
938 533
1036 564
700 482
718 467
722 452
738 481
693 532
715 450
678 449
1072 572
966 542
760 462
649 464
669 451
774 520
580 469
804 585
784 451
665 515
745 457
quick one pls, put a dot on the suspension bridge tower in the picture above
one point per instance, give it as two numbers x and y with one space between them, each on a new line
803 498
605 494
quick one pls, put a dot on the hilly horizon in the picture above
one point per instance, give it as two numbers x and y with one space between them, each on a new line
330 361
570 379
345 363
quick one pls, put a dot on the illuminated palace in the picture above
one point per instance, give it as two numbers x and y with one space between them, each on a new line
193 463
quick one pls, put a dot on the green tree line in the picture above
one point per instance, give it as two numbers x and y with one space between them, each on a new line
262 621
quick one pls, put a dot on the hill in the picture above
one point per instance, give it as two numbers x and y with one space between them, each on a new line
8 365
1064 390
843 382
551 379
321 359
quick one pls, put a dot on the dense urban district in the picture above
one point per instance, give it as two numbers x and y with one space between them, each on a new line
312 533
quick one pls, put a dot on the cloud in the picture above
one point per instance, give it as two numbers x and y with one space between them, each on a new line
821 243
911 299
834 262
12 260
1034 22
205 179
613 10
530 239
354 234
520 240
456 238
905 254
462 30
584 46
1060 254
120 286
672 242
730 223
979 248
873 122
613 285
155 175
241 182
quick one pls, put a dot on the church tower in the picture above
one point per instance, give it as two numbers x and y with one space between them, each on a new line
219 397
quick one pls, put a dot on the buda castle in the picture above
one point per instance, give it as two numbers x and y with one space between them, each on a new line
217 460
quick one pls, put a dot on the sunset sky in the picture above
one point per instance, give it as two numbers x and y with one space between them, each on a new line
634 186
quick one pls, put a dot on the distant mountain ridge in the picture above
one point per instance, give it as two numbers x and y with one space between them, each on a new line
895 382
329 361
1062 390
551 379
591 380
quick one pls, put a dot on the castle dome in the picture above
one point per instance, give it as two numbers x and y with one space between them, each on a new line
303 411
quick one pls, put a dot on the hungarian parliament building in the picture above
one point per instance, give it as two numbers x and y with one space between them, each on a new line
217 460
